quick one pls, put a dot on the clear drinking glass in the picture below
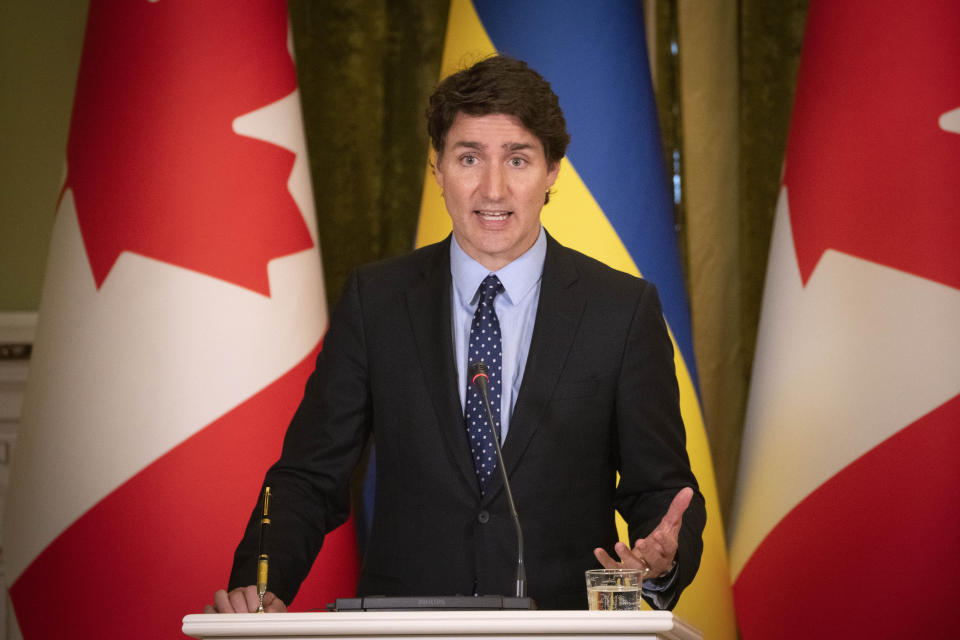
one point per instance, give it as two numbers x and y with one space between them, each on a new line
613 589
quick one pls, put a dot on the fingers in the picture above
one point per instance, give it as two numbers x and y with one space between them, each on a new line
244 600
605 560
250 597
273 604
660 547
678 505
658 552
633 559
221 603
628 559
239 600
662 541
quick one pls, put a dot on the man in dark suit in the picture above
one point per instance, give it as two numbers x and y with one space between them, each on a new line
581 364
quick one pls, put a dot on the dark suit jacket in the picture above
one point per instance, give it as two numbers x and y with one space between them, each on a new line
599 395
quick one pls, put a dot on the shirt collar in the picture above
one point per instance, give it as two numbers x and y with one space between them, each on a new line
517 278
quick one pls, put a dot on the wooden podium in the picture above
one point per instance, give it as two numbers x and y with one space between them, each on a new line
442 625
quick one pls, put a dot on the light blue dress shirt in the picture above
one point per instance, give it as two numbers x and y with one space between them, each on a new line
516 309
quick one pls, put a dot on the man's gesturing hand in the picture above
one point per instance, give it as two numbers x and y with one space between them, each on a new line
244 600
654 554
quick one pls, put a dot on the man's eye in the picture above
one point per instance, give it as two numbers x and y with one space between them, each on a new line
468 160
517 162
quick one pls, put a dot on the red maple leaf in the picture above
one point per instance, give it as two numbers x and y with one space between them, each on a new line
153 162
869 171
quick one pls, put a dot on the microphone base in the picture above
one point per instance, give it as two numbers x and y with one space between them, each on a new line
434 603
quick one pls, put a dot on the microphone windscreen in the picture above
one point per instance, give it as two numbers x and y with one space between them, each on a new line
478 372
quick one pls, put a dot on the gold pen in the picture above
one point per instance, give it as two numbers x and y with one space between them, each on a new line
262 558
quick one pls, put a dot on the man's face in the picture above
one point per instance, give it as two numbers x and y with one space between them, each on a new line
494 175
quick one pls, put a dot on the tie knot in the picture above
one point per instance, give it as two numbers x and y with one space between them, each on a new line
489 288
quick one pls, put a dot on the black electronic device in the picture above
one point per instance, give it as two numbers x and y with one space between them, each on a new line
438 603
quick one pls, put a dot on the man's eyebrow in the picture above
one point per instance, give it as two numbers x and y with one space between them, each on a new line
468 144
508 146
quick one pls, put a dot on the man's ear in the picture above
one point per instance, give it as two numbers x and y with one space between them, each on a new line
435 165
552 173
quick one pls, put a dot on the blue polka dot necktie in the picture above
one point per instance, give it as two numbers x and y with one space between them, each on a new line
485 346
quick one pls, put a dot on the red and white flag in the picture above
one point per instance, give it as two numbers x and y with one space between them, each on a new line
181 314
847 521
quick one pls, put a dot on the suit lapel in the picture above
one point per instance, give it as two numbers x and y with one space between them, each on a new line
429 309
558 316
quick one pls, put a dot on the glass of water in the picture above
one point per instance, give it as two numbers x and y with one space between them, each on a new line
613 589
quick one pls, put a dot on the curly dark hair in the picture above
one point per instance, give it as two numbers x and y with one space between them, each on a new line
500 84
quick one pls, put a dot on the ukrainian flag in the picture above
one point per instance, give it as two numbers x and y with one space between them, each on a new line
612 198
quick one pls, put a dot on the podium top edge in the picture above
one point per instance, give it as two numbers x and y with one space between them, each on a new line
424 624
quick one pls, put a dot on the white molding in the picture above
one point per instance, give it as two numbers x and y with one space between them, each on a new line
18 327
442 625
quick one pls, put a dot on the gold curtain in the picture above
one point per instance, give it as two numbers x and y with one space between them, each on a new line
366 69
738 65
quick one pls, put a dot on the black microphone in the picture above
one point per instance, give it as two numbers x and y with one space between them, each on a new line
478 377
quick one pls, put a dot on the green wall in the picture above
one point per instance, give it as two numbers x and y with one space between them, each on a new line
40 43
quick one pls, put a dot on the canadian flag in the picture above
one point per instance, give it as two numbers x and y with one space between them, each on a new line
847 521
181 314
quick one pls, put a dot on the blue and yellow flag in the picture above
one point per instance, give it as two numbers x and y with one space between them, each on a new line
612 198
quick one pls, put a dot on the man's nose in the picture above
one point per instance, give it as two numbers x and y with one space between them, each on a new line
493 183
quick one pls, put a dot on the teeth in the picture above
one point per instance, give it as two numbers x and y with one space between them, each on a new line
496 215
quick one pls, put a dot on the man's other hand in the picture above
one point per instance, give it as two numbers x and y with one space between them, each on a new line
653 555
244 600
